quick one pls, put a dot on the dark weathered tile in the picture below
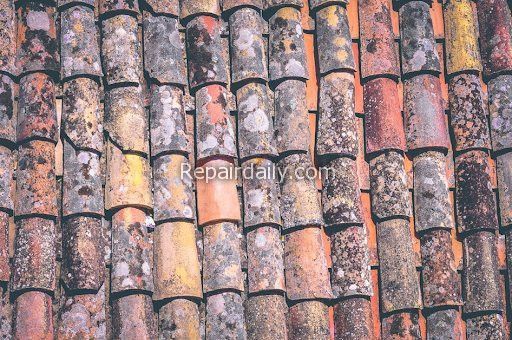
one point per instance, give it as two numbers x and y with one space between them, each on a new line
111 7
485 327
6 179
8 37
500 104
266 317
274 4
133 317
353 319
5 266
193 8
504 174
32 316
7 109
308 320
444 324
404 325
167 7
178 319
225 316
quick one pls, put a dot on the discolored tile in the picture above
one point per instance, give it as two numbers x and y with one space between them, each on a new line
194 8
404 325
8 37
500 104
32 316
444 324
504 174
7 109
133 317
308 320
112 7
178 319
275 4
265 317
225 316
5 268
232 5
6 179
485 327
353 319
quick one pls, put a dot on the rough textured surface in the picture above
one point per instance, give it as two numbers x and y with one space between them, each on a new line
404 325
8 37
353 319
118 6
132 317
169 7
6 177
504 173
32 316
7 107
265 317
192 8
5 270
500 112
225 316
178 319
308 320
485 327
444 324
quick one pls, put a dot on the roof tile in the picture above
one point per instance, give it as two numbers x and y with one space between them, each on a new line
388 181
5 270
500 104
334 44
300 202
316 5
34 257
38 47
167 7
307 275
291 121
485 327
6 179
8 40
176 266
118 6
222 258
468 113
404 325
261 193
7 109
37 115
215 132
441 283
32 316
131 252
505 187
312 81
275 4
481 275
337 130
82 191
418 46
80 50
287 57
228 5
83 253
476 207
425 120
248 57
461 41
443 322
173 195
82 114
378 54
63 3
266 318
164 50
350 263
35 180
132 316
121 50
255 123
206 63
225 316
179 318
384 126
432 206
399 282
341 200
193 8
308 320
353 319
495 24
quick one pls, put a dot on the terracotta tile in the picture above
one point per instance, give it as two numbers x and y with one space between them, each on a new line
442 322
5 270
312 82
353 319
179 318
115 6
326 242
502 253
308 320
401 325
307 22
374 301
436 13
192 8
266 317
217 199
7 109
169 7
485 327
32 316
6 179
358 96
504 185
353 18
232 5
225 316
275 4
132 316
8 33
363 168
500 102
442 76
371 229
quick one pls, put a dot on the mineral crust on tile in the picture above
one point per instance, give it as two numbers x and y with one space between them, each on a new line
32 316
5 268
133 317
485 327
481 274
378 54
261 193
265 317
120 50
206 62
384 127
34 255
441 283
334 44
8 37
82 114
37 44
222 258
35 180
265 260
353 319
500 106
176 268
6 309
128 180
287 56
193 8
113 7
444 323
126 120
341 200
337 129
83 253
225 316
248 57
403 325
308 320
163 7
300 202
504 174
255 123
7 112
495 24
232 5
432 207
468 113
82 190
179 319
291 121
305 263
418 45
6 178
80 51
388 184
131 252
461 37
399 283
350 262
476 206
215 132
173 195
425 120
164 50
37 115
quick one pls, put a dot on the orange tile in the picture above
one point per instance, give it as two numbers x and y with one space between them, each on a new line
353 18
375 304
436 13
307 22
312 82
370 226
395 22
327 248
442 76
457 249
502 254
357 83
